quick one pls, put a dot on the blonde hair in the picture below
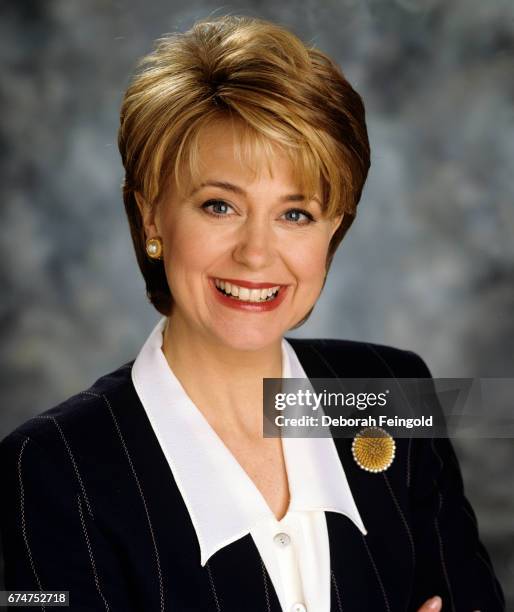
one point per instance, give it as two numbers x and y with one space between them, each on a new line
261 76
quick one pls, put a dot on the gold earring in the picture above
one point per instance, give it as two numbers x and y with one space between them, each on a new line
154 248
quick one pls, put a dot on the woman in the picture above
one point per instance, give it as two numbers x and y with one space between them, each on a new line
245 155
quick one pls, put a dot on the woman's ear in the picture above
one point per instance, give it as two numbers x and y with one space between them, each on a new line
147 215
336 222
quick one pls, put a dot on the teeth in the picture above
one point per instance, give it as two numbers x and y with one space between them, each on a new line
246 294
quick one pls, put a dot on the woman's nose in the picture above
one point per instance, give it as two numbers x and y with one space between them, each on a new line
255 244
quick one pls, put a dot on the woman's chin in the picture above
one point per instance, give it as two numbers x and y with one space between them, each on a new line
250 339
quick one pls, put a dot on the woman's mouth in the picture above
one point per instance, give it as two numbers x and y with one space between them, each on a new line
244 294
250 299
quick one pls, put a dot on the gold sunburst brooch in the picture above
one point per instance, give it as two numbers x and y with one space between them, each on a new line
373 449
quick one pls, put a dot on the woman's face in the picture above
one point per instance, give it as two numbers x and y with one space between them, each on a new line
244 230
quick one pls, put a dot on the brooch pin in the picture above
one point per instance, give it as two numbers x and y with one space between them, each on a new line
373 449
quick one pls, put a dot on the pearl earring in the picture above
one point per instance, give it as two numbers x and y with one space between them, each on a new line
154 248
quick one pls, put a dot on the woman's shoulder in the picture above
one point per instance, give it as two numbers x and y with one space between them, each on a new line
80 413
349 358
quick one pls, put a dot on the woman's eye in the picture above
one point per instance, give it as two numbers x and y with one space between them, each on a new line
296 214
218 208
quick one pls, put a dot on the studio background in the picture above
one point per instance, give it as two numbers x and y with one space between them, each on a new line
428 264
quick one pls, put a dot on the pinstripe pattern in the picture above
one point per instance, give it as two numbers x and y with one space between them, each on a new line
384 362
213 587
409 459
72 459
322 358
266 591
377 574
438 532
336 591
443 563
22 515
404 520
90 551
140 489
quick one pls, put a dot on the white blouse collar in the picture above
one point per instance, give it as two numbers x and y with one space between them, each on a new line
223 502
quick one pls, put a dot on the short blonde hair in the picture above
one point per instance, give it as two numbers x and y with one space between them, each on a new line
262 76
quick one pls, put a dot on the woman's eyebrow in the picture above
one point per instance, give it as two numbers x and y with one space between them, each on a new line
294 197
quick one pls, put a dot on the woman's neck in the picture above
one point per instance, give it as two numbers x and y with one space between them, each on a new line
225 383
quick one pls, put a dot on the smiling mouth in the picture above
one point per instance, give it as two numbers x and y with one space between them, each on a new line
244 294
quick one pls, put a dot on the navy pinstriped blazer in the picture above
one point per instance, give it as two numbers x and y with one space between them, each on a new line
90 506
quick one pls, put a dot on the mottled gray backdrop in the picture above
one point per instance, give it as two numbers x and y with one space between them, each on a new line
427 266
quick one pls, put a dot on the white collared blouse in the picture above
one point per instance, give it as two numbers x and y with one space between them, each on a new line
224 503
